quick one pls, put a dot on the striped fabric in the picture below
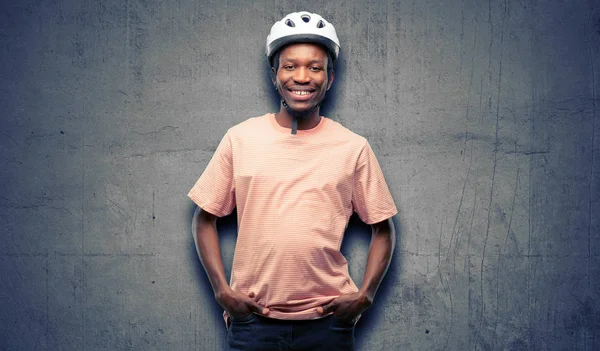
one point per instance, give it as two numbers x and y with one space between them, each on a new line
294 195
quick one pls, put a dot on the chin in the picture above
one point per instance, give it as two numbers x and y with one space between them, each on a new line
302 109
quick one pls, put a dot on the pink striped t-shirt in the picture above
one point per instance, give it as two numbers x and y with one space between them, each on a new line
294 195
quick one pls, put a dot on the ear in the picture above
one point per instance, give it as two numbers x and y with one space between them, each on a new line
273 76
331 80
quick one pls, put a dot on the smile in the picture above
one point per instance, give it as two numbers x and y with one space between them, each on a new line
300 92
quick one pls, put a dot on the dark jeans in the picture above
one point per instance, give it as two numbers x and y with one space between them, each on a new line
257 333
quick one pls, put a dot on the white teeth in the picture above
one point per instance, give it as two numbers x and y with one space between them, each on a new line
300 92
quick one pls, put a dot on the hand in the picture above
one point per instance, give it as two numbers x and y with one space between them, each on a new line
239 305
347 307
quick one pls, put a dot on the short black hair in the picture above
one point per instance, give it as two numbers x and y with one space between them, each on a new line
275 62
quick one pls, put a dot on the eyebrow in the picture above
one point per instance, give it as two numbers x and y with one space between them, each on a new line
285 59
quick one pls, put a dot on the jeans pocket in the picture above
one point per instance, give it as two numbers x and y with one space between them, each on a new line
342 323
246 319
241 332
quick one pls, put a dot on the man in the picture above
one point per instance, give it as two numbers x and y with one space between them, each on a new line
296 178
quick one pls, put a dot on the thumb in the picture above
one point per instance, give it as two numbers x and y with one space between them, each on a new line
259 309
255 307
330 307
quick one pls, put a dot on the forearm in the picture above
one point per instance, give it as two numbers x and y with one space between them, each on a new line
383 240
206 239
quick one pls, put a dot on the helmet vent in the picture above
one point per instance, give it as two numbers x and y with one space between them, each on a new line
302 27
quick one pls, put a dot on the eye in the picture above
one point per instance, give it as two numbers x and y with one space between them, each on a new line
288 67
316 69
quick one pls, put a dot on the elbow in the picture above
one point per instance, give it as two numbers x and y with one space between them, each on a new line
201 219
385 230
202 216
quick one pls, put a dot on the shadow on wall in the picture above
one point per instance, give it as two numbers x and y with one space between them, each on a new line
227 229
356 238
357 235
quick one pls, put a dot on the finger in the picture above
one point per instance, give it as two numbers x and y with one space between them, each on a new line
258 308
262 310
330 307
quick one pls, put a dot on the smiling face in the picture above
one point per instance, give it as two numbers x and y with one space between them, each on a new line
301 76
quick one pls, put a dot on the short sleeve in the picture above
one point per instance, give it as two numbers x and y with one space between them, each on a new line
214 191
371 197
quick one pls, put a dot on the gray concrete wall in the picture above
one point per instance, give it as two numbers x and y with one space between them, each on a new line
485 117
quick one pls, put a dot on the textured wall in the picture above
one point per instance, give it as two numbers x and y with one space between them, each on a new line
485 117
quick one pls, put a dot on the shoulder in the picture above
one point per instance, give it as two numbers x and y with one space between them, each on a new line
250 124
250 128
337 131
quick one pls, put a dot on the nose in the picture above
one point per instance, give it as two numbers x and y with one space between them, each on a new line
301 75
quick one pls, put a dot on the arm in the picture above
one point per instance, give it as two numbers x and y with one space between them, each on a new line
350 306
206 239
383 240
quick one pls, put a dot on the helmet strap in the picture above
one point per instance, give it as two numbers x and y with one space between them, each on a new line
295 116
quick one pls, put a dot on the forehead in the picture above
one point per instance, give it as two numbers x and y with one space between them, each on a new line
306 51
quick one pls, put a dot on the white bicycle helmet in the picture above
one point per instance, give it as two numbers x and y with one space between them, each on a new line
302 27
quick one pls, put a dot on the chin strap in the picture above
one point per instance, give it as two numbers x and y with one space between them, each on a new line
294 115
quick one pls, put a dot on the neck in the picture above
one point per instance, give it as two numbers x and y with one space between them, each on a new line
308 121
